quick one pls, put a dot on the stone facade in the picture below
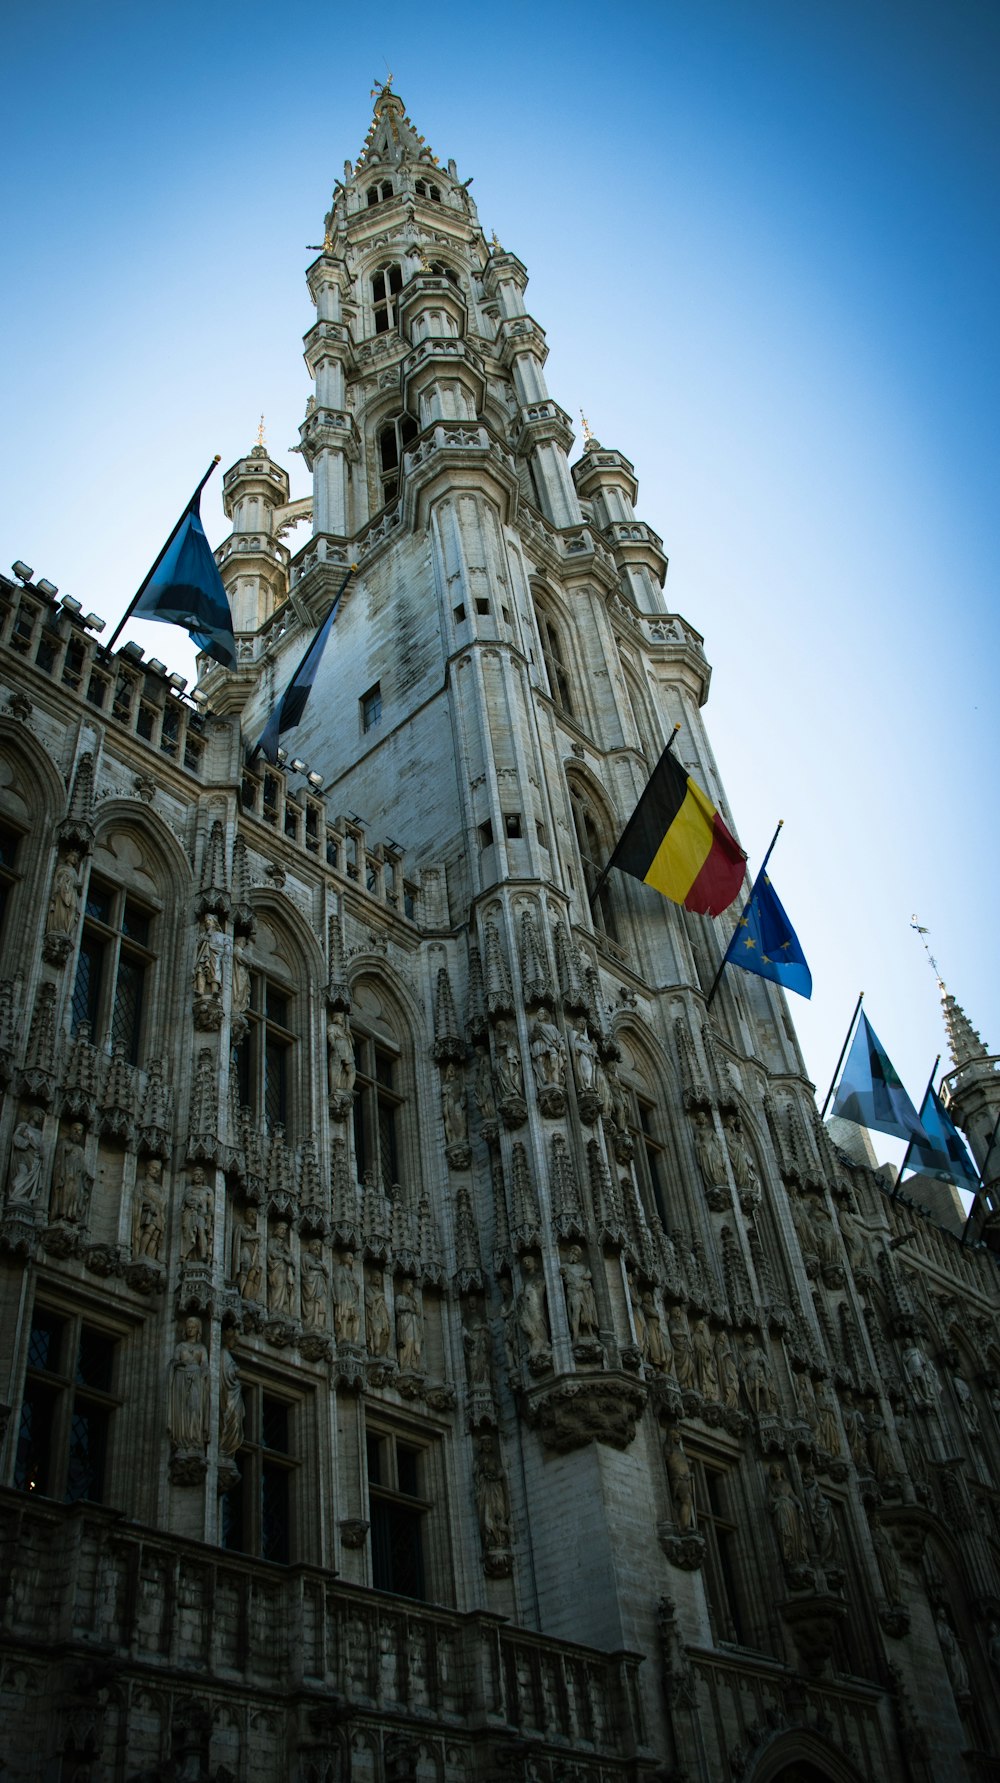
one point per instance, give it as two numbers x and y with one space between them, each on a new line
437 1347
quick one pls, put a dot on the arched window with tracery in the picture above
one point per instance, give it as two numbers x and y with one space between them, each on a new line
268 1055
393 438
387 284
595 841
379 192
644 1102
116 966
381 1090
554 658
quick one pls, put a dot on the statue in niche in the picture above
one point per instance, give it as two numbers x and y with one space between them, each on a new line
855 1431
620 1111
826 1246
548 1052
852 1234
314 1285
453 1104
64 904
476 1342
581 1305
708 1151
966 1404
196 1219
340 1066
280 1270
485 1099
822 1521
378 1330
231 1407
805 1399
922 1376
409 1327
658 1354
681 1482
954 1663
149 1213
758 1378
510 1071
788 1518
729 1374
683 1348
189 1391
803 1227
532 1313
247 1271
883 1461
740 1159
492 1501
346 1299
26 1160
208 958
705 1371
241 976
887 1561
71 1181
638 1316
585 1059
827 1430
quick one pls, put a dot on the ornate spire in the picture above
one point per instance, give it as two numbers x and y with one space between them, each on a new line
964 1044
391 135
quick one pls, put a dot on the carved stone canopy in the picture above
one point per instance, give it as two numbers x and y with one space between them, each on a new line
572 1413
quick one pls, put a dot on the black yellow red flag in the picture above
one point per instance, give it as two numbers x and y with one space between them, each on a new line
676 842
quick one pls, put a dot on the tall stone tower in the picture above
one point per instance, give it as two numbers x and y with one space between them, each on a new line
440 1345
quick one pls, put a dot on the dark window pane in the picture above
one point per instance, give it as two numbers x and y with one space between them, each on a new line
362 1156
274 1083
384 1068
274 1424
98 903
244 1073
277 1006
9 840
388 1157
135 923
145 722
44 1343
95 1360
87 984
32 1462
126 1016
233 1531
397 1559
374 1446
407 1470
87 1445
274 1524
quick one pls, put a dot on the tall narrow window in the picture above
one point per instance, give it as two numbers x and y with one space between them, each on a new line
386 286
371 707
393 440
555 666
718 1526
264 1055
648 1157
397 1508
378 193
9 843
377 1106
258 1511
67 1408
595 848
113 965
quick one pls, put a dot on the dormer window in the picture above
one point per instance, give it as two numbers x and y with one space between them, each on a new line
378 193
423 190
442 271
386 286
393 440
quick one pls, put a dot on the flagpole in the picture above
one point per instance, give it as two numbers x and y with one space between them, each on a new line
732 938
107 648
909 1143
599 887
843 1051
300 665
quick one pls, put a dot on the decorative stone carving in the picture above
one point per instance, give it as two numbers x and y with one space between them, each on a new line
883 1461
813 1621
827 1428
581 1305
758 1378
683 1349
353 1532
966 1405
789 1527
340 1066
492 1506
887 1560
711 1160
853 1236
509 1075
681 1482
741 1163
591 1079
729 1373
409 1327
241 987
548 1062
657 1354
378 1330
455 1116
64 908
196 1219
594 1408
954 1662
827 1247
532 1314
189 1405
484 1093
72 1183
247 1269
621 1138
476 1342
149 1213
25 1170
924 1382
232 1412
346 1299
706 1374
280 1270
823 1525
314 1286
207 976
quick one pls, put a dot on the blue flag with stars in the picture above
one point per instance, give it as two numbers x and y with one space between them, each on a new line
944 1154
765 942
870 1092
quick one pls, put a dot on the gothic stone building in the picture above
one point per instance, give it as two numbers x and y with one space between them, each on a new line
434 1346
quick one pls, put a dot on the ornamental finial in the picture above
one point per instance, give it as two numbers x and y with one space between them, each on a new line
587 435
261 441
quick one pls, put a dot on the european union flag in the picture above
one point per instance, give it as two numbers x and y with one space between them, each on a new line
870 1092
765 942
184 588
287 713
943 1154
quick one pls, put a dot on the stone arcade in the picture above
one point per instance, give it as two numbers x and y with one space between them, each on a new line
434 1348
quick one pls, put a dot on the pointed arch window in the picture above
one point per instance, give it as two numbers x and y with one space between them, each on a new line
10 842
423 190
113 968
379 192
394 437
441 271
595 844
554 658
264 1055
387 284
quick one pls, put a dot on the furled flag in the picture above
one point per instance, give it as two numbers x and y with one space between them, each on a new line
287 712
943 1154
870 1093
676 842
184 588
765 942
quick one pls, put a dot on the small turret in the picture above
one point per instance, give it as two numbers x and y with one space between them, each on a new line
972 1093
253 564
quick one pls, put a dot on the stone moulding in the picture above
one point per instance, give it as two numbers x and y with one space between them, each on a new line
571 1413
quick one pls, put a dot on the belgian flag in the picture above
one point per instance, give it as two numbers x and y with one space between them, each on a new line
676 842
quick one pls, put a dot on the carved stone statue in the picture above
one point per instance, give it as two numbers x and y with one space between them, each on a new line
71 1181
966 1404
638 1316
852 1234
683 1348
880 1451
485 1099
149 1213
453 1104
705 1372
584 1059
708 1151
231 1407
581 1305
280 1270
532 1313
921 1374
822 1521
196 1219
64 903
409 1327
827 1247
241 976
26 1160
346 1299
729 1373
492 1502
476 1340
657 1353
548 1052
827 1428
247 1271
314 1285
681 1482
855 1431
189 1391
758 1378
954 1663
378 1330
208 958
889 1568
340 1066
742 1164
788 1518
510 1071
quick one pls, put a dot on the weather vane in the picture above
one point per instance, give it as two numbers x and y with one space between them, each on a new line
918 929
261 441
587 435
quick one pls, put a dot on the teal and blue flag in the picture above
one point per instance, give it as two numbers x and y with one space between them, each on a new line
185 588
287 712
765 942
943 1154
870 1092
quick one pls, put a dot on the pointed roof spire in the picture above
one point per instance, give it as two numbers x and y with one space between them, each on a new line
391 135
963 1041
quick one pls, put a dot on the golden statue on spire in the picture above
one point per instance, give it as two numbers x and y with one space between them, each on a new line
261 441
587 435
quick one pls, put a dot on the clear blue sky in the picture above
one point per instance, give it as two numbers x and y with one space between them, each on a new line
763 241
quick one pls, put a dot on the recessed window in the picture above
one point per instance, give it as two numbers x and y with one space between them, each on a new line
540 834
397 1509
67 1409
486 834
113 965
512 826
379 192
371 707
393 439
386 287
505 613
264 1055
459 612
377 1111
258 1511
9 842
482 608
554 660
